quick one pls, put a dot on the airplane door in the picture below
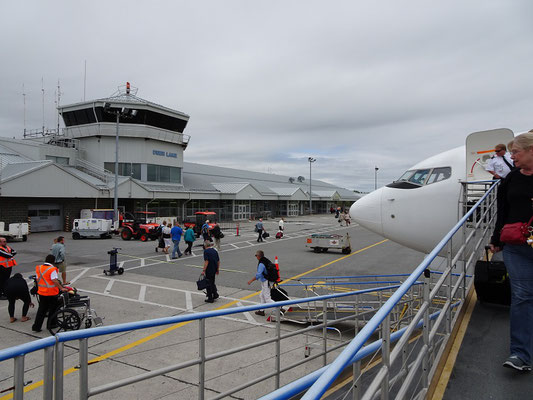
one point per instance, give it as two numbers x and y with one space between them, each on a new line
480 147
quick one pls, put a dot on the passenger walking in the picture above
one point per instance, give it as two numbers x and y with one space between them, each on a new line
217 234
259 228
264 296
205 231
176 232
48 288
500 164
281 224
167 238
15 289
515 204
211 270
7 262
347 220
189 238
58 251
160 240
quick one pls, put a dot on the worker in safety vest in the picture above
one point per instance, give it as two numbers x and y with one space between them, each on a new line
7 261
48 289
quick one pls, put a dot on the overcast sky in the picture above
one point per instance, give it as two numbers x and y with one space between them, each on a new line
355 84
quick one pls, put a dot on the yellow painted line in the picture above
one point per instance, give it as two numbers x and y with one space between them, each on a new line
171 328
454 351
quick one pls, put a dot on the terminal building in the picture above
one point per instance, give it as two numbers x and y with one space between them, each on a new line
49 176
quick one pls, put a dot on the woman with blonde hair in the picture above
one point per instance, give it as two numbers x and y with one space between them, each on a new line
515 205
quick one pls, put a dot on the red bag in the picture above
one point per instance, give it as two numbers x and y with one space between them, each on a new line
516 233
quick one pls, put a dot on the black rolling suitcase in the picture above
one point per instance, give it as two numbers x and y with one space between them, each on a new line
492 282
278 294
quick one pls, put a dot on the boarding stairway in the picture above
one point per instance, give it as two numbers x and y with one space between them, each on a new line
383 335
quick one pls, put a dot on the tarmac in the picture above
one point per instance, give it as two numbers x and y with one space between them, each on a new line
153 286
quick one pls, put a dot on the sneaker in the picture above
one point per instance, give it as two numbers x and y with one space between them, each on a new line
260 312
516 363
216 296
209 300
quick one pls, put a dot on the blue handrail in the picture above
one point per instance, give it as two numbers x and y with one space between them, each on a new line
26 348
345 357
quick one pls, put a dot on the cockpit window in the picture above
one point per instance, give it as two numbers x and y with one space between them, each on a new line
413 179
419 177
439 174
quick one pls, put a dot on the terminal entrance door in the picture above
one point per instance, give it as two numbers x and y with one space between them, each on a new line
293 209
241 211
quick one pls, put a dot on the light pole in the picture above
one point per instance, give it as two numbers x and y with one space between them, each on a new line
376 178
124 113
311 161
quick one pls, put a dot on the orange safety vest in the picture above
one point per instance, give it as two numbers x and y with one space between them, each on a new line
7 262
46 286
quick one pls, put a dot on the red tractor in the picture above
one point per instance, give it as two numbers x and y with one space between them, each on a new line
141 226
200 218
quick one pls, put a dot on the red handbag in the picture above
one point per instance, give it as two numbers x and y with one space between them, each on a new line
516 233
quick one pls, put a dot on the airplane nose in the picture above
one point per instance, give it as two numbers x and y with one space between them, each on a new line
367 211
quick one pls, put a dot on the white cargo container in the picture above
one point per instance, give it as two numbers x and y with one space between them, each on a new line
15 231
92 228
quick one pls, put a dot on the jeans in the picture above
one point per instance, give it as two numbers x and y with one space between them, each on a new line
176 248
189 248
260 235
519 262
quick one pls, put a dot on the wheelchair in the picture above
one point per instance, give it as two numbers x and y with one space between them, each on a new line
73 311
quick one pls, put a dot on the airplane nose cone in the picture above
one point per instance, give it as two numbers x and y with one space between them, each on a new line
367 211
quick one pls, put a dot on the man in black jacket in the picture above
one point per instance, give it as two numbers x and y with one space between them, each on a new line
15 289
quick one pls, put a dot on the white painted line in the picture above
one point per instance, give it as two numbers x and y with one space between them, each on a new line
109 286
142 293
234 246
192 254
168 257
246 314
188 301
79 275
142 262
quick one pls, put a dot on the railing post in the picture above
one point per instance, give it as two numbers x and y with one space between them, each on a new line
448 327
84 369
48 376
58 371
325 331
201 355
356 375
18 380
426 329
385 355
278 346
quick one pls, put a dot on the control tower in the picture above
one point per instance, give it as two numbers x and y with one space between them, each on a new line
151 138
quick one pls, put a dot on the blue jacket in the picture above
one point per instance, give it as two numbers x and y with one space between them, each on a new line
260 270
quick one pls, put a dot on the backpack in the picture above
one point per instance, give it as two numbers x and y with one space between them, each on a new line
271 273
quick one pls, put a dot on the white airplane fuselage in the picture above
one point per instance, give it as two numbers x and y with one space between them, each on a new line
417 217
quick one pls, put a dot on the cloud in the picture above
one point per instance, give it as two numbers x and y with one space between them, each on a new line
354 84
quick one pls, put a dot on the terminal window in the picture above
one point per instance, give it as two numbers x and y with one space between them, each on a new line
125 169
163 173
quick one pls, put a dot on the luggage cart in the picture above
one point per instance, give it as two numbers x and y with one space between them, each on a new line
321 243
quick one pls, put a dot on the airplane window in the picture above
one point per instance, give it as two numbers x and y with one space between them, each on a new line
419 177
439 174
406 175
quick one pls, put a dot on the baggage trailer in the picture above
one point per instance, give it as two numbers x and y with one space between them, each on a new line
321 243
15 231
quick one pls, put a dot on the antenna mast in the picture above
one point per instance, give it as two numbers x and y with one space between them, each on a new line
57 103
24 100
42 88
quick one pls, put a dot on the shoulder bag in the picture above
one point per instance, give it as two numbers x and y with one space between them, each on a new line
516 233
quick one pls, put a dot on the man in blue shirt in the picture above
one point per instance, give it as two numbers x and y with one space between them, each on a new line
260 228
264 296
211 268
176 233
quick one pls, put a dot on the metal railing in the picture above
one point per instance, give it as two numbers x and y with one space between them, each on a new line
324 332
406 368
